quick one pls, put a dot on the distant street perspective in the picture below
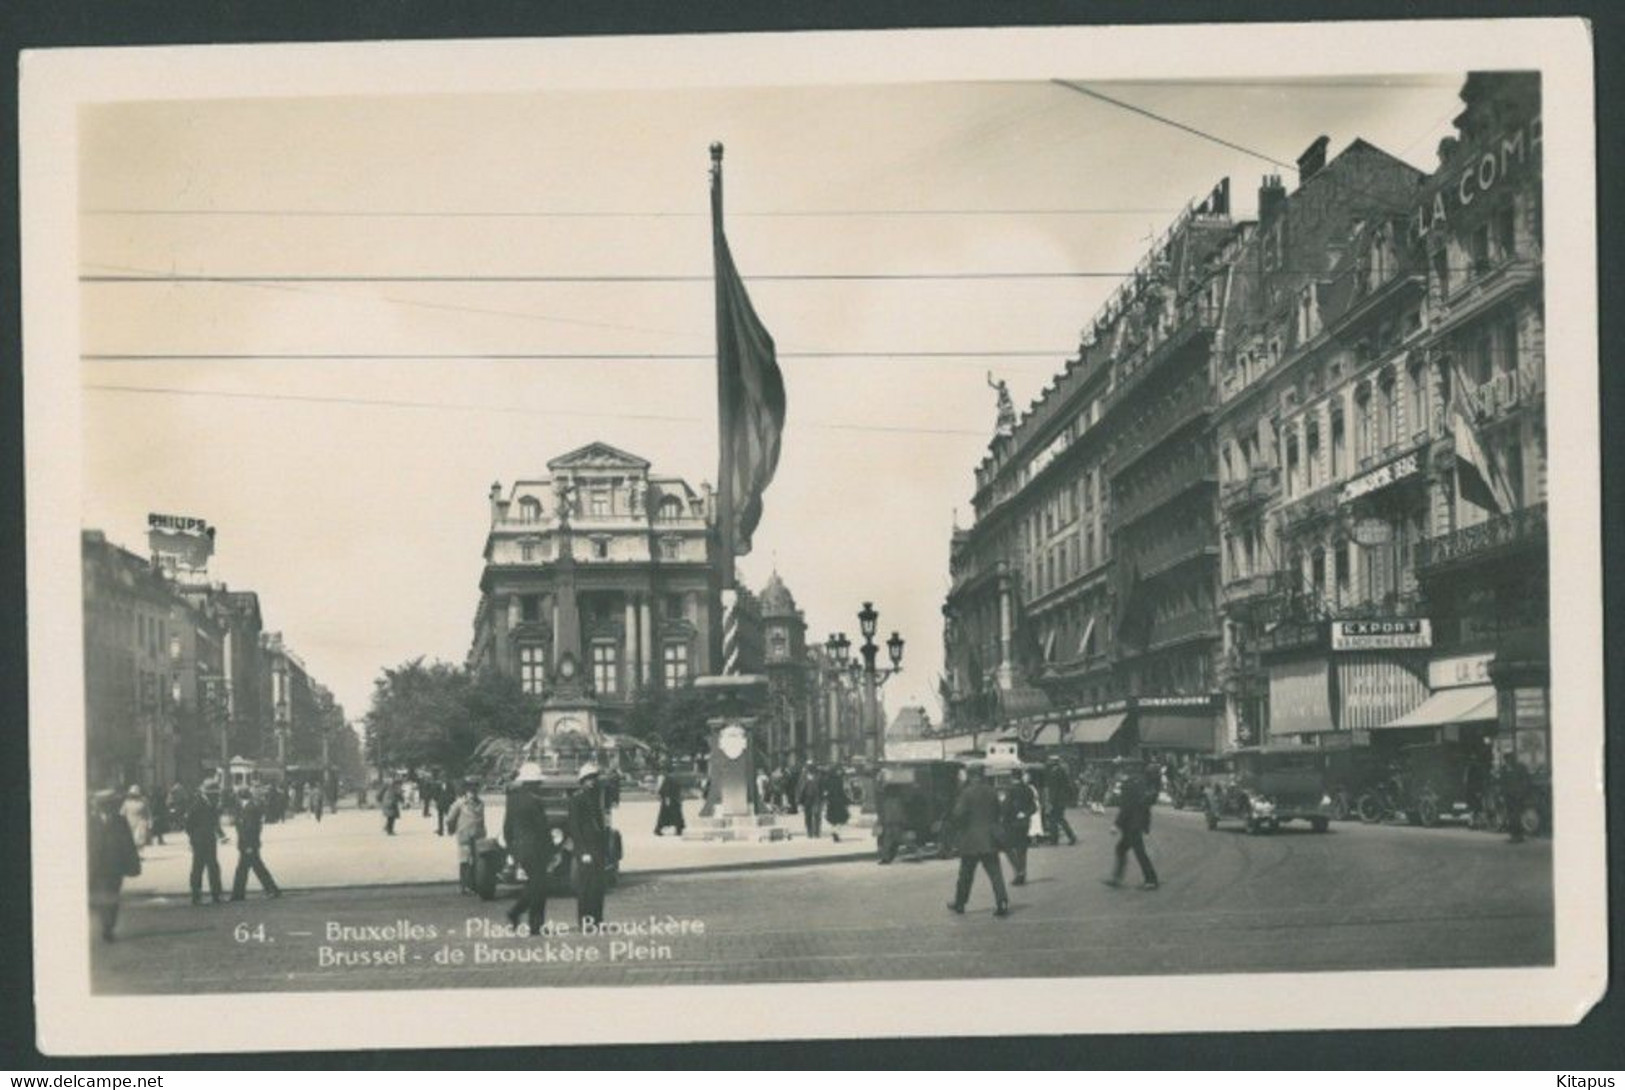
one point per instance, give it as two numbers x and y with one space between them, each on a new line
1228 652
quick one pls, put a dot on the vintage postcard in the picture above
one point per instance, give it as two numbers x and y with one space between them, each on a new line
826 535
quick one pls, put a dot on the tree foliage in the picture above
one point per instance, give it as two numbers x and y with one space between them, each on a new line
674 722
436 714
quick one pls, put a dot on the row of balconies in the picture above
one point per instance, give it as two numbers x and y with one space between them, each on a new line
1148 499
1193 402
1255 488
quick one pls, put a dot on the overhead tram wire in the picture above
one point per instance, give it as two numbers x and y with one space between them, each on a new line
513 410
576 278
500 357
788 213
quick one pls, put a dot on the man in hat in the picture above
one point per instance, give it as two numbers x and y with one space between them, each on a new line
204 835
1059 793
529 838
1133 823
810 794
975 819
113 858
250 824
590 836
466 820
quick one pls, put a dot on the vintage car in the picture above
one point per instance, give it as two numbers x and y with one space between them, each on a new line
915 799
1266 786
1445 779
1188 787
494 867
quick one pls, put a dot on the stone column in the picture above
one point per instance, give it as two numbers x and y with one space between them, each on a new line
1006 636
630 644
646 638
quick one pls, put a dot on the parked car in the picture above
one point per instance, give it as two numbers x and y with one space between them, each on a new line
915 799
1268 786
1188 787
1443 780
1350 775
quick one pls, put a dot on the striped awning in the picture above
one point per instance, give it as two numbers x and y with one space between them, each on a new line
1469 704
1096 729
1375 688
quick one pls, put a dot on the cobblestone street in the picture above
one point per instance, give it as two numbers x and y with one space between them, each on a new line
1359 897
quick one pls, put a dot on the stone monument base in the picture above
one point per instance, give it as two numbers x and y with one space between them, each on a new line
737 827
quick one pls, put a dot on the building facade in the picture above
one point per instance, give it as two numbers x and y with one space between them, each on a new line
1311 453
178 676
607 562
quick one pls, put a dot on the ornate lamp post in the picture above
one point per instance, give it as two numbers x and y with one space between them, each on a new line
869 678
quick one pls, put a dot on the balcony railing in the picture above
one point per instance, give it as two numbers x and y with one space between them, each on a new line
1196 401
1257 487
1520 529
1201 624
1194 318
1249 587
1147 500
1170 551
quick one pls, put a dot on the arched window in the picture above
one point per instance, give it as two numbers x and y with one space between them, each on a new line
530 509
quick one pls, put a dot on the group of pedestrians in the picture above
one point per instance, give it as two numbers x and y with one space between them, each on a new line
821 795
984 825
530 836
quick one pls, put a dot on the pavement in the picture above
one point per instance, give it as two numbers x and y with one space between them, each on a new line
1355 898
349 848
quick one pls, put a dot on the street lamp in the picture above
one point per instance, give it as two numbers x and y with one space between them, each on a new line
870 677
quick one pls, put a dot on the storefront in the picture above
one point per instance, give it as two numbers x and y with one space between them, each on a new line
1368 674
1175 728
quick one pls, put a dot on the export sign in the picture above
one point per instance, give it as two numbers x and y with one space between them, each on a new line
1381 635
1405 466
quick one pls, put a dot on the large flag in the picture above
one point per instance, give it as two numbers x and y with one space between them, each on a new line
750 396
1478 478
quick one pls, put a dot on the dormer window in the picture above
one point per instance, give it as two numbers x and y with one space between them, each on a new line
670 509
530 509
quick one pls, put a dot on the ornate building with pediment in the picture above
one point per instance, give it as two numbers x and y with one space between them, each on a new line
606 561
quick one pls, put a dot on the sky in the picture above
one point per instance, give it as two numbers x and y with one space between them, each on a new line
351 494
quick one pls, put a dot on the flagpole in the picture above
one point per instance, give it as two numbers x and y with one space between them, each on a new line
725 407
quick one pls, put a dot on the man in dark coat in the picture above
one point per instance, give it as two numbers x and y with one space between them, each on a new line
1515 790
975 819
1059 793
390 802
810 793
1133 822
204 835
671 804
113 858
250 823
589 835
1016 812
529 838
444 796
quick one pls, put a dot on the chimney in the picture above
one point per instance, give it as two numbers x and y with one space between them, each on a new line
1271 197
1312 159
496 501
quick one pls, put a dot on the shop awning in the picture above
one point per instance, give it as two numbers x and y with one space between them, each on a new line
1300 697
1051 733
1020 702
1096 729
1164 731
1469 704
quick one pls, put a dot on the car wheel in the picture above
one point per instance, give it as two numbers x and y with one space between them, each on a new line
1319 824
1427 811
1529 819
485 878
1369 807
